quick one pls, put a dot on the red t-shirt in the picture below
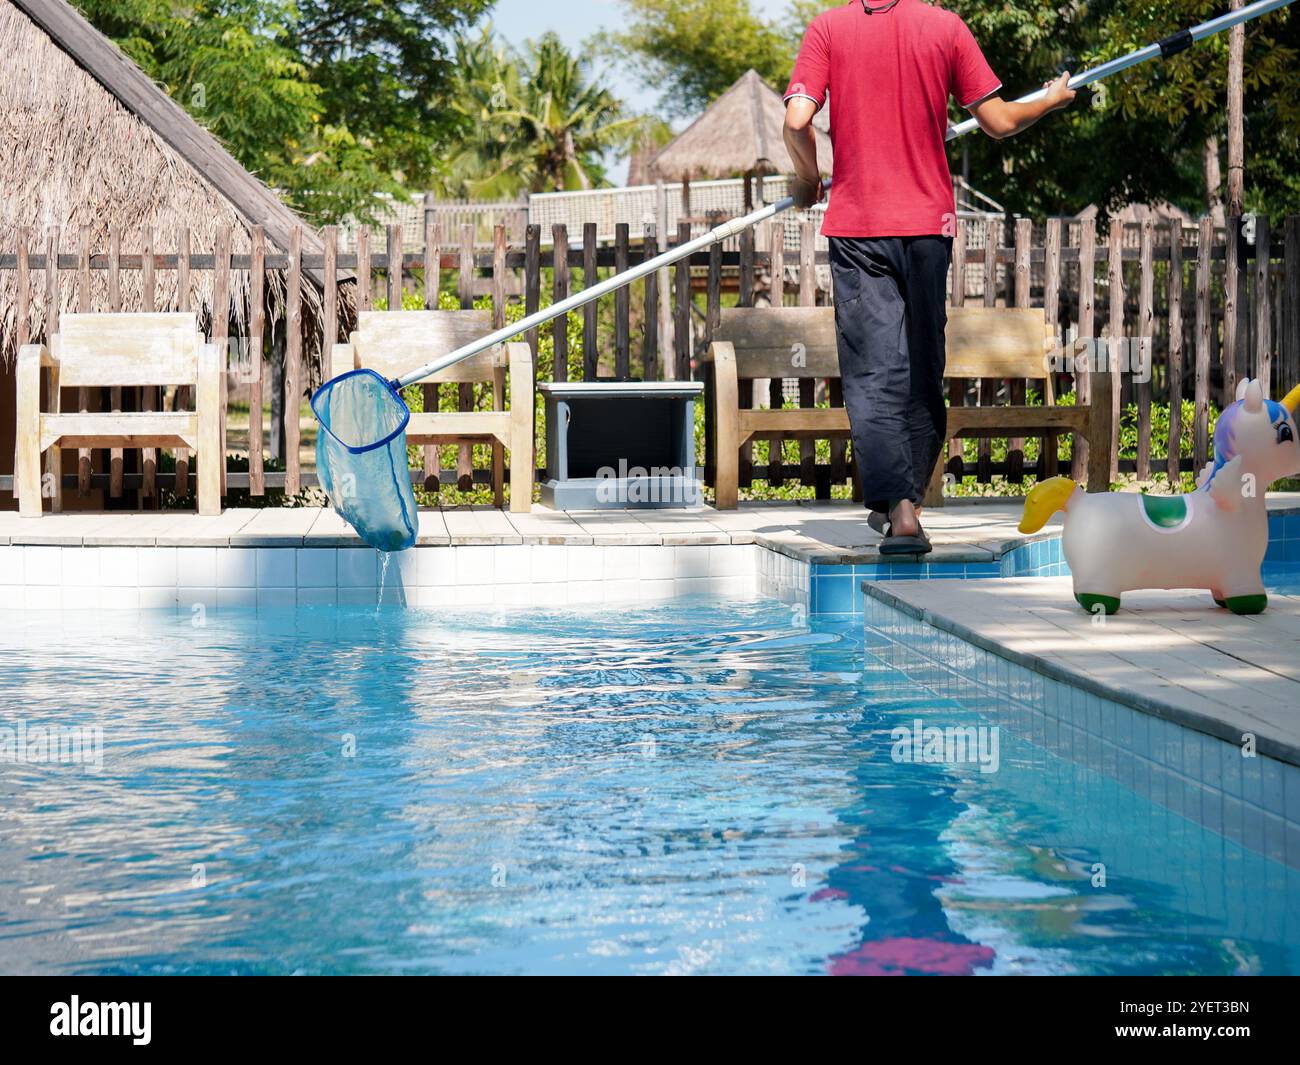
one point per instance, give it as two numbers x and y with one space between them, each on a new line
889 75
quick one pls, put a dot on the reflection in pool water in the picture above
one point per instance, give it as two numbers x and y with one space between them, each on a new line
689 787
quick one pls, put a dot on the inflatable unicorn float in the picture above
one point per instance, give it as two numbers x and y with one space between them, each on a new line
1213 538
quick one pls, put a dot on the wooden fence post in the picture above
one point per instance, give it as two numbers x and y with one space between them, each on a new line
776 385
1204 322
115 455
532 280
221 334
184 302
590 352
560 291
988 386
1048 461
1086 341
499 320
1291 305
1263 310
293 365
622 307
1234 283
256 337
956 464
149 393
1174 377
1024 233
681 309
650 313
54 456
364 302
1115 306
807 386
84 305
465 391
1146 346
432 284
394 257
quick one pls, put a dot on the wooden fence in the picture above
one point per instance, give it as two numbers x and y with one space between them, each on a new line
1199 310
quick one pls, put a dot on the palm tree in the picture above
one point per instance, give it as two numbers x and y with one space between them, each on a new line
568 122
482 165
531 121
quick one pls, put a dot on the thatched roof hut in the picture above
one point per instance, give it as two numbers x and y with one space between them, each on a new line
739 133
87 139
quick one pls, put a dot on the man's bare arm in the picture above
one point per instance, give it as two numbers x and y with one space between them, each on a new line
1004 118
801 143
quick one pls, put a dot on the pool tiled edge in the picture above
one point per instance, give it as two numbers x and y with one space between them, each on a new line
50 577
163 564
836 588
1158 751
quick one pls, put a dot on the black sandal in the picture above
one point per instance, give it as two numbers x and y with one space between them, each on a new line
898 545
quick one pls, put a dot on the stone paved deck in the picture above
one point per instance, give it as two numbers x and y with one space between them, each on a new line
828 532
1173 654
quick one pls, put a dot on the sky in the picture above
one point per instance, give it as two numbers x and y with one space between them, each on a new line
575 21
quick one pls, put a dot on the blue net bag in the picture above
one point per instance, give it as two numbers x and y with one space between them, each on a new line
361 457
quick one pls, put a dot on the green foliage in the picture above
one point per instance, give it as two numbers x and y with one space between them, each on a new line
1186 96
385 72
695 49
534 120
998 449
1137 138
328 102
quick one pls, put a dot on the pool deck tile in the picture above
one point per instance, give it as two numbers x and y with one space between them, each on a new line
275 527
823 533
1173 654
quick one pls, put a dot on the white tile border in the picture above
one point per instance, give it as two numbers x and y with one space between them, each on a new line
471 575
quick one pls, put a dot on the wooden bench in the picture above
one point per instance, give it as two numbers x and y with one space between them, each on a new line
106 350
800 342
392 343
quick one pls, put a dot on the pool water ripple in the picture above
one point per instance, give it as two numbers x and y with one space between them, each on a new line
689 787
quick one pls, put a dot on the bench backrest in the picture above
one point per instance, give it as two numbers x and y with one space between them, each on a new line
127 349
800 341
781 342
998 342
392 343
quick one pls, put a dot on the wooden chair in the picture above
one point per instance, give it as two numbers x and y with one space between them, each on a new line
1016 343
391 343
800 342
751 342
99 350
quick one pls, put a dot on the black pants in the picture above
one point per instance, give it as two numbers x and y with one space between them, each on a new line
890 314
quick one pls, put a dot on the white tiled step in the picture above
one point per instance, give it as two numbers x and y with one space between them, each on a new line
53 577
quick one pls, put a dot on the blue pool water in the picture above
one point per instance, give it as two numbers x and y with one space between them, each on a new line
688 788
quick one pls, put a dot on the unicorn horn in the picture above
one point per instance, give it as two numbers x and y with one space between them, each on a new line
1292 399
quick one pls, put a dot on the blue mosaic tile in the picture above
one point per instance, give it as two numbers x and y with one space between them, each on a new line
1039 558
833 593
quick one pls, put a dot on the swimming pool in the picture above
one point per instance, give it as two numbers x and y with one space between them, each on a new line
690 787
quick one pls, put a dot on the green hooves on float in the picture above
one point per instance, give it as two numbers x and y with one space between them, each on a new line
1245 604
1108 603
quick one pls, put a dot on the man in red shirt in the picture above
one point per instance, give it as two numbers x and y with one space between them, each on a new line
890 69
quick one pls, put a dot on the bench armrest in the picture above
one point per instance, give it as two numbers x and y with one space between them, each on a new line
32 359
342 358
38 352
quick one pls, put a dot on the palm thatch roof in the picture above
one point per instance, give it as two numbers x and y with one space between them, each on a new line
739 133
87 139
